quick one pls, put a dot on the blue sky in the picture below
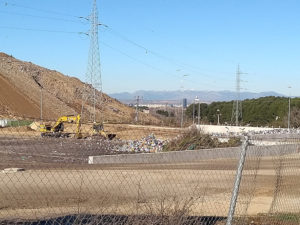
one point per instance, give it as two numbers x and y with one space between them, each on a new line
151 45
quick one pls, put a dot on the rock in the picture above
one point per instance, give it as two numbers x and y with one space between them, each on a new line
12 170
35 126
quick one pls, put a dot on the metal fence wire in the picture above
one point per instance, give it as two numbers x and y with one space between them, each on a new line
146 175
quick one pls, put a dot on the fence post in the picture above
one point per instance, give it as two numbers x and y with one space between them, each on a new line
237 181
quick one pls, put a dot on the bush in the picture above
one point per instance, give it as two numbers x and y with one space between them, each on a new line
194 139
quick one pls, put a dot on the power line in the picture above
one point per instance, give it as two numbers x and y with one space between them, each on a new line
40 30
154 53
38 9
42 17
178 63
135 59
123 37
109 46
153 67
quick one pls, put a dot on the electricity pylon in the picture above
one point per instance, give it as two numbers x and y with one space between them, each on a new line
138 98
237 114
93 73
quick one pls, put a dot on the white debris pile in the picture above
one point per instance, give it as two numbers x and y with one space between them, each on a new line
147 144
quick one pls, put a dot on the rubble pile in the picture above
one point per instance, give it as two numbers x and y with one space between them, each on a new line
261 132
147 144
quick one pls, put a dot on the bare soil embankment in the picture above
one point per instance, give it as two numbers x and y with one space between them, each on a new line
12 100
62 95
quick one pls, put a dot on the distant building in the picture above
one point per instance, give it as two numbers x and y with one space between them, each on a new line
154 105
184 103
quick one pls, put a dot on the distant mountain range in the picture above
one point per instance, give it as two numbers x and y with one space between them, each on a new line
176 96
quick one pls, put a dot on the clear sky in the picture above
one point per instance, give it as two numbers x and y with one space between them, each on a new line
151 45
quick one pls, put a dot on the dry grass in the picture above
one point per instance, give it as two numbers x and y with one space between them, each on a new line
194 139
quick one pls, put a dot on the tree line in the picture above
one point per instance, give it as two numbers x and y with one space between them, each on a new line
266 111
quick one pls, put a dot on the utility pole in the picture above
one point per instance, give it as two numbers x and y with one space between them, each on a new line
93 74
41 106
41 99
237 105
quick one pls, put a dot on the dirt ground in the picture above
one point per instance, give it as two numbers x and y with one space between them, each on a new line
202 188
23 147
129 132
58 181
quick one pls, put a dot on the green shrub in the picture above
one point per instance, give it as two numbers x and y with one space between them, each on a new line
19 123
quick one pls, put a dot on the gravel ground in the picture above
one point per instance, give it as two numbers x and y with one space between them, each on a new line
44 151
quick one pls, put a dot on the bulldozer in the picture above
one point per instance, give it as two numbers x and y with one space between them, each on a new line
57 130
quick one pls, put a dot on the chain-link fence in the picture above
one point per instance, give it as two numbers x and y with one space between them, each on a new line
138 174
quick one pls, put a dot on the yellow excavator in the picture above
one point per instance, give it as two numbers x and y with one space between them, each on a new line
57 130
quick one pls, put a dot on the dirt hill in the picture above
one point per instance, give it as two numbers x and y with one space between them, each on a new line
21 85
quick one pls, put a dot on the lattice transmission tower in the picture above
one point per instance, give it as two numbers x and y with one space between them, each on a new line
92 94
237 113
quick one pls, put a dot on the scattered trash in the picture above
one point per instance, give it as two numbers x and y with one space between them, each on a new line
147 144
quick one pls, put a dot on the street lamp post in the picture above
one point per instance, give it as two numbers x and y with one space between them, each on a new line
289 114
218 114
181 121
198 101
194 111
199 115
182 108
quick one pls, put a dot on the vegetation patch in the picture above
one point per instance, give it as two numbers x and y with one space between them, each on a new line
19 123
194 139
270 219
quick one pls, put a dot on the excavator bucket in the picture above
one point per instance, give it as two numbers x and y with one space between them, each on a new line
111 136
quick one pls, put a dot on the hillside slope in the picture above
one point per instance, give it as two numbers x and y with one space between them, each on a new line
20 93
11 101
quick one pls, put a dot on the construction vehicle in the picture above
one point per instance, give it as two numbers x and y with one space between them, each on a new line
57 130
99 130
